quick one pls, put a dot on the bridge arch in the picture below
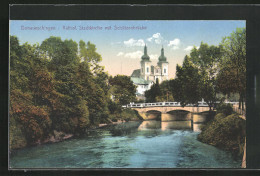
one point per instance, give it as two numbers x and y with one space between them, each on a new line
153 115
153 111
173 111
176 115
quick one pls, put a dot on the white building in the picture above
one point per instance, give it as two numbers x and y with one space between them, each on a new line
147 75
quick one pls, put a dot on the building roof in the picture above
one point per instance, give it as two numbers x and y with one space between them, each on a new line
145 57
162 58
136 73
140 81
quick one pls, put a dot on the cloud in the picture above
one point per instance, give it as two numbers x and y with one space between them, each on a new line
153 56
133 42
188 48
175 47
175 43
150 39
134 55
157 38
120 54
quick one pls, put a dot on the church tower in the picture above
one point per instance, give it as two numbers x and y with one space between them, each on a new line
163 64
145 71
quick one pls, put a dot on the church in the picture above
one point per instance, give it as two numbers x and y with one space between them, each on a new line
147 75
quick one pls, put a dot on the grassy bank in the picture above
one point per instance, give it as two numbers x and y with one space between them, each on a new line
226 131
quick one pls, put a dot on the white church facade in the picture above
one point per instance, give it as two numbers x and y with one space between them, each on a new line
147 75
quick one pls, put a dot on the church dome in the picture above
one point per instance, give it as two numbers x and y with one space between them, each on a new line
162 58
145 57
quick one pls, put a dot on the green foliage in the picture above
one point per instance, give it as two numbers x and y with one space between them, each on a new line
125 115
16 138
206 60
113 107
129 114
211 70
88 54
186 86
154 93
123 89
60 53
224 108
166 92
35 120
52 89
226 132
232 74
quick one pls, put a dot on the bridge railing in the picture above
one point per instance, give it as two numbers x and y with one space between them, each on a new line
156 104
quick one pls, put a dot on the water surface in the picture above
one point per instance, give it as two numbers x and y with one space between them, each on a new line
147 144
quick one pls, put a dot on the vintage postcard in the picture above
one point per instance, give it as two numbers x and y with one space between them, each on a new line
127 94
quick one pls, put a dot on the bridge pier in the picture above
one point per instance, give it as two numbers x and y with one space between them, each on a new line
198 117
166 117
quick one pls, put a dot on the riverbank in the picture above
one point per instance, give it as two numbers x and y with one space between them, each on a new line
61 136
19 141
226 132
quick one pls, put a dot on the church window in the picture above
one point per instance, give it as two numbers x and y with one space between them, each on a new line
147 69
165 70
156 70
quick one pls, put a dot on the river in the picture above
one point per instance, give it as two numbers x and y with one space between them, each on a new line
147 144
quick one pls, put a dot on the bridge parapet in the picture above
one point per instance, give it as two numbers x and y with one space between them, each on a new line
170 104
168 109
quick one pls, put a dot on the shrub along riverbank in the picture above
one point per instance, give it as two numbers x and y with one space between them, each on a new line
18 139
226 131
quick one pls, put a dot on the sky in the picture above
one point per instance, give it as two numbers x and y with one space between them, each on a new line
121 48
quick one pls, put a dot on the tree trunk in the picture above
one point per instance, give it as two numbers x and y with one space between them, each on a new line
243 107
239 107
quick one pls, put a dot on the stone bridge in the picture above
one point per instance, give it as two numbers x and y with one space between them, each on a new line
172 111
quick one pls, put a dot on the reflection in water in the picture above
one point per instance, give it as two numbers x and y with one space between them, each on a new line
123 128
152 124
148 144
176 125
196 127
172 125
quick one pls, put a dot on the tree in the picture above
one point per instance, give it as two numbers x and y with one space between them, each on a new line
88 54
154 92
92 92
186 86
20 64
206 59
60 53
52 89
166 91
123 89
232 74
25 108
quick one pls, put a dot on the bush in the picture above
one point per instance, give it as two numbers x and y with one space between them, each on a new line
227 133
129 114
226 109
17 138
